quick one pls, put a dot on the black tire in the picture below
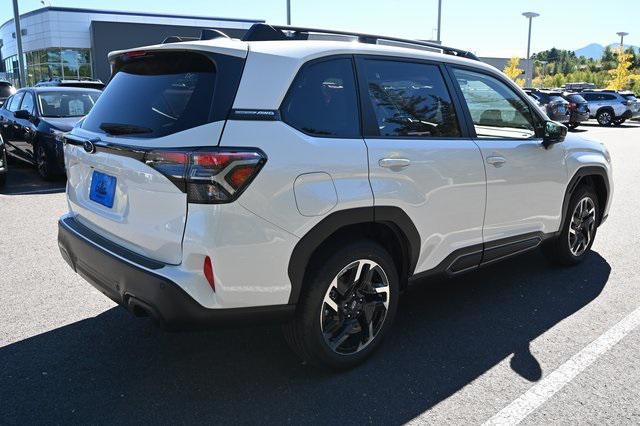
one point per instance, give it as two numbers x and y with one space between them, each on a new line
572 126
619 122
43 162
605 117
305 333
3 179
559 250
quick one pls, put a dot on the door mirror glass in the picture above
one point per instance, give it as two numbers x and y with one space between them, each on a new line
554 132
22 114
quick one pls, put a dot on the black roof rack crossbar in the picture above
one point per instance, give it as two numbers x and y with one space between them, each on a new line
265 32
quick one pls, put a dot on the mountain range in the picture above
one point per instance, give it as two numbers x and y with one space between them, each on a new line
595 50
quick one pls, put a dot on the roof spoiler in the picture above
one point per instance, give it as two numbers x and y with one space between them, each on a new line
266 32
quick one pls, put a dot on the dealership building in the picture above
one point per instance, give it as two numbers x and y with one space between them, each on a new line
72 43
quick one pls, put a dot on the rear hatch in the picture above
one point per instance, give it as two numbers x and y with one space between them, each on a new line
126 160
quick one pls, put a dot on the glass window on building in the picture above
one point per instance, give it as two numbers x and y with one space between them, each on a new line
52 63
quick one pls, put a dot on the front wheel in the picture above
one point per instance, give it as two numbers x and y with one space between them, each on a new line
604 118
43 162
347 307
579 230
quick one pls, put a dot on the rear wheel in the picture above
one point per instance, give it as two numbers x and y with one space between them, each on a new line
579 230
43 162
572 126
619 122
604 117
347 308
3 179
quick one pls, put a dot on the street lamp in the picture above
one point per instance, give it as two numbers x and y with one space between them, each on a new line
439 20
622 34
530 16
288 12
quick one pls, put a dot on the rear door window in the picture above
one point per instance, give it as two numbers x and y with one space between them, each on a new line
322 100
155 94
409 99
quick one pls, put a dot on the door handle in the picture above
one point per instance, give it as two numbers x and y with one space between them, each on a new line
392 163
496 161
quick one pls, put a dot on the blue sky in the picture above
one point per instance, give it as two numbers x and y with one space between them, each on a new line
487 27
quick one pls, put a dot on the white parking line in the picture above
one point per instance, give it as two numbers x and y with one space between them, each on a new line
528 402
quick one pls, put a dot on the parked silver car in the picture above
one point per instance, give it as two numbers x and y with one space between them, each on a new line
608 106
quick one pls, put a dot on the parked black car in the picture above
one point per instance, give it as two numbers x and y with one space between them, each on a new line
6 90
84 83
578 109
4 167
33 121
553 104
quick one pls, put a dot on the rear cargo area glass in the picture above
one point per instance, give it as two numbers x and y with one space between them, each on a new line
154 94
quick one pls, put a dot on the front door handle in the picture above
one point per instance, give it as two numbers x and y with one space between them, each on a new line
496 161
393 163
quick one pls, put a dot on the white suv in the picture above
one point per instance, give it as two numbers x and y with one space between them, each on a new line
309 176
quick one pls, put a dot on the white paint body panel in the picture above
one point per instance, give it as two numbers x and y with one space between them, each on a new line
290 154
443 191
525 193
315 194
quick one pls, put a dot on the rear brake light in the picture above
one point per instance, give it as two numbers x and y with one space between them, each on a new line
572 105
208 176
135 54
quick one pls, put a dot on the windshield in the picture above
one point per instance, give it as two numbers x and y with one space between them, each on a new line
67 104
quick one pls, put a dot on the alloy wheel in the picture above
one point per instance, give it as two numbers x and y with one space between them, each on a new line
41 160
355 307
582 226
604 118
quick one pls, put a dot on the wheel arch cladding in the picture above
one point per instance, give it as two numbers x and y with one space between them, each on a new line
596 177
390 226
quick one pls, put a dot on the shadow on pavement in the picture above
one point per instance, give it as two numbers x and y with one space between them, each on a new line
23 179
114 368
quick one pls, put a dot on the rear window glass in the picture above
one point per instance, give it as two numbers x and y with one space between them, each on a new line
155 95
6 90
557 98
322 100
576 98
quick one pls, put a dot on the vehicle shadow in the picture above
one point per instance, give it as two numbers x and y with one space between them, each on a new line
114 368
626 125
23 179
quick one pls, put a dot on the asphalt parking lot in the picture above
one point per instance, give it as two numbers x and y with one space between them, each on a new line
506 341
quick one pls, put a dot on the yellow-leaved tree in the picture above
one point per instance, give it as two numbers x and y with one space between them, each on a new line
620 75
513 72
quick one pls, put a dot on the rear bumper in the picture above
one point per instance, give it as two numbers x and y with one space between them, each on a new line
129 280
578 117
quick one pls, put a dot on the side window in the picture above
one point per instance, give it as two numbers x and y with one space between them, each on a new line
322 100
15 102
609 97
588 97
497 111
28 102
410 99
7 102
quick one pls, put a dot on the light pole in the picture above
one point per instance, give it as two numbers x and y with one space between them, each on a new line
439 21
622 34
288 12
16 20
530 16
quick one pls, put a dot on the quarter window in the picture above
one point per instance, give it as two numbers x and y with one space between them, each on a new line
496 110
410 100
322 100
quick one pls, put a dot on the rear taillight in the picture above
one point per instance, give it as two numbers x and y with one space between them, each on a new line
207 269
572 105
208 176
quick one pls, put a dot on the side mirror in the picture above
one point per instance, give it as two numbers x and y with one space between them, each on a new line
22 114
553 133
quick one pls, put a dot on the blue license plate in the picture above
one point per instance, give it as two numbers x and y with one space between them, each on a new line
103 189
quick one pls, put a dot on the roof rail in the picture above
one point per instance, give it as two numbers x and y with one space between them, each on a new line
265 32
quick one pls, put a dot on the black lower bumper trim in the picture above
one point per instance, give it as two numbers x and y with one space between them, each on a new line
141 290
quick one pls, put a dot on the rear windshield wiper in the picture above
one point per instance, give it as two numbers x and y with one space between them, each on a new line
124 129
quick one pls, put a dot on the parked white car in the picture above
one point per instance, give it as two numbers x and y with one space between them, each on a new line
310 181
